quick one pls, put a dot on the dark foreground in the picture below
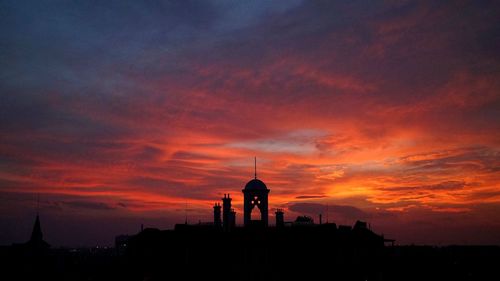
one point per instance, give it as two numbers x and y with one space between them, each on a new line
301 255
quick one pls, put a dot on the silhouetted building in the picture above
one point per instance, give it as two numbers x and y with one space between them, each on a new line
345 228
121 242
255 251
255 196
226 212
36 241
36 234
360 225
232 219
303 220
280 218
217 215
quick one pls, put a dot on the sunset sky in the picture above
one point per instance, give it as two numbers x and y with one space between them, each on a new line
120 113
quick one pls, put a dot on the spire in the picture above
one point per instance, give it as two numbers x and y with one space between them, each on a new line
36 235
255 158
36 242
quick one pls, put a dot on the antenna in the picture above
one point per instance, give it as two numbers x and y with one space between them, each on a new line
37 203
327 212
255 158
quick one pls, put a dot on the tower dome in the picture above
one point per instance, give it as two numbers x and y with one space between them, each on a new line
255 184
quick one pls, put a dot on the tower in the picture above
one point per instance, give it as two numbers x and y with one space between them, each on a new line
255 197
36 234
280 218
36 242
226 212
217 215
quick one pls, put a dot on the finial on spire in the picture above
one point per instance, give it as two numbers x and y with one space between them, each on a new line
255 158
37 203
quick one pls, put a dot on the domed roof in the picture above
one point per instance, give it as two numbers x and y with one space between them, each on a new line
256 184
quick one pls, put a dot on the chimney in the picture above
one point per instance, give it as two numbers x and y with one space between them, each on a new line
226 212
280 218
217 215
232 219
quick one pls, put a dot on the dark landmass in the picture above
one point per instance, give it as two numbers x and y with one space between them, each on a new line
322 252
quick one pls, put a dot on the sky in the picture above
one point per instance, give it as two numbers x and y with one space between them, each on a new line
121 113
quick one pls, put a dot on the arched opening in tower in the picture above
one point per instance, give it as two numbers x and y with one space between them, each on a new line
255 214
